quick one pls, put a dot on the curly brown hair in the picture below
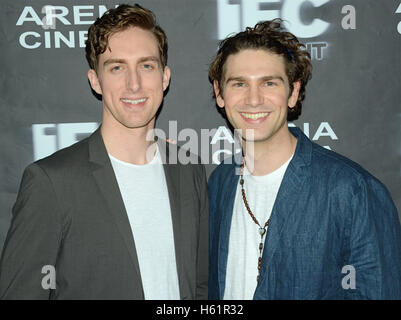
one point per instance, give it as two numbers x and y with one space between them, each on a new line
119 19
270 36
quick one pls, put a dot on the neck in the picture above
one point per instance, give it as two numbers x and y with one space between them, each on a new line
132 145
269 155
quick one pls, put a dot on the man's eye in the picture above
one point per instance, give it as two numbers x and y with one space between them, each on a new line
148 66
270 83
116 68
239 84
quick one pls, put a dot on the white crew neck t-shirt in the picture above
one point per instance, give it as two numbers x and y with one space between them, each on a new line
145 195
243 251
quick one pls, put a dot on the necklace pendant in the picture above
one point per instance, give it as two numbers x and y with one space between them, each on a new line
262 231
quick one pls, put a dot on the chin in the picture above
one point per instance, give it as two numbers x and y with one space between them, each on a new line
138 123
255 140
257 137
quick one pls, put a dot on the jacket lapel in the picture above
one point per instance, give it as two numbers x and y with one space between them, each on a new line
226 207
172 174
108 186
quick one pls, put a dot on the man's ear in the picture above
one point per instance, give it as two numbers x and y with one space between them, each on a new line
292 100
166 77
219 98
94 81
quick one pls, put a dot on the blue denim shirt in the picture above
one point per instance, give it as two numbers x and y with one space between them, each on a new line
330 216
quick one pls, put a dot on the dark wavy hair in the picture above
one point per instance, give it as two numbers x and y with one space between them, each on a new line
120 19
270 36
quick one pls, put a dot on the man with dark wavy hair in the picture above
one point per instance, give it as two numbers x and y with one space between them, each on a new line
111 217
288 218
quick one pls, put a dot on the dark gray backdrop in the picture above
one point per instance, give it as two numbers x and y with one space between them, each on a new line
352 104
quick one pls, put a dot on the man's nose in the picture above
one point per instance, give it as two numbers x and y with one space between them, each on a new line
254 96
133 80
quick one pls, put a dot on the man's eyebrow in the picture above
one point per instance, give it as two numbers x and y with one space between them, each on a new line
149 58
110 61
273 77
234 79
264 78
140 60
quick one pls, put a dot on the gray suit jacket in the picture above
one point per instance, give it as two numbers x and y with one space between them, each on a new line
70 214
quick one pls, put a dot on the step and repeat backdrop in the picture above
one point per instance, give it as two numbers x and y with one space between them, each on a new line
352 103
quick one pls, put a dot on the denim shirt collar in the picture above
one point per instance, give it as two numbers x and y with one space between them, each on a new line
302 155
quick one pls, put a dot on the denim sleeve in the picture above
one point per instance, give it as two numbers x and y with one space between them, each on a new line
374 244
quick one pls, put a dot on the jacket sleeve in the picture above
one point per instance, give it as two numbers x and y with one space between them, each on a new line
33 239
375 244
203 243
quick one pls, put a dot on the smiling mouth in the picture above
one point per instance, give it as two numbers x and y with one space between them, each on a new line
254 116
134 102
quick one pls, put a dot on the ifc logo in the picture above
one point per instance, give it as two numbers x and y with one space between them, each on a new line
235 15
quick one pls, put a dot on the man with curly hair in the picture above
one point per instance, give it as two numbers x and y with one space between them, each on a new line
111 217
288 218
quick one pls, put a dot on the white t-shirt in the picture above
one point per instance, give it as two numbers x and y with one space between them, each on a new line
145 195
243 251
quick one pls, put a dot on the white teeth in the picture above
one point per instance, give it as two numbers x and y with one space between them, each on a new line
254 116
133 101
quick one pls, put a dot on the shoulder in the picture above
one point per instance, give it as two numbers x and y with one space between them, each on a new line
341 171
64 165
327 167
180 161
222 173
333 162
68 157
177 155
